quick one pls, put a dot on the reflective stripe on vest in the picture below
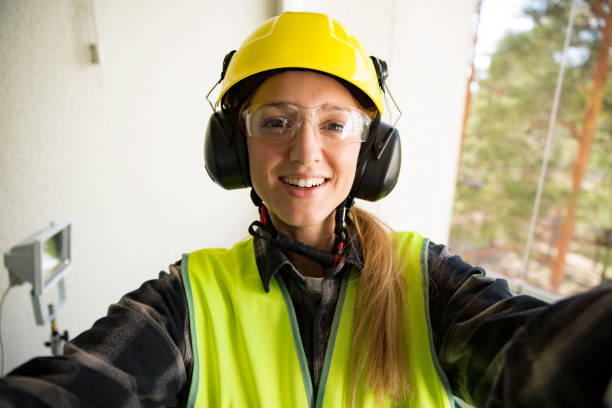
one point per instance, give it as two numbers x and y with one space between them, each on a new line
246 343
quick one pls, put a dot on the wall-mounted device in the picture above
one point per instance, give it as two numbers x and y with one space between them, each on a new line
42 260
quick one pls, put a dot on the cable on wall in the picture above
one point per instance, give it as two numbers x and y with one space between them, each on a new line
94 48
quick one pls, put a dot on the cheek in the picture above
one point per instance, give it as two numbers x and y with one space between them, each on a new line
261 159
255 161
346 162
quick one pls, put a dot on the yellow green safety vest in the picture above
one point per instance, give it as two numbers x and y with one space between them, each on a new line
246 343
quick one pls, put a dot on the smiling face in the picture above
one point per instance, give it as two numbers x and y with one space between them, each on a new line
302 180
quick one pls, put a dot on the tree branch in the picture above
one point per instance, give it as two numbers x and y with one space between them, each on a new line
570 126
544 120
532 124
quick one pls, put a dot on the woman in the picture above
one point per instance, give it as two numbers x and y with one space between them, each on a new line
322 307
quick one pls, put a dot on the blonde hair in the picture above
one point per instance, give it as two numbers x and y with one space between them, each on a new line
379 344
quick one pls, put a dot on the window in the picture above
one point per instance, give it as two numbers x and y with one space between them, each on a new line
519 53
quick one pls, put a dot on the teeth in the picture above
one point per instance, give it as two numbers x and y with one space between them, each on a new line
302 182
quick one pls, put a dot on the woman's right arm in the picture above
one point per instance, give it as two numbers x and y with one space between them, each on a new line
139 354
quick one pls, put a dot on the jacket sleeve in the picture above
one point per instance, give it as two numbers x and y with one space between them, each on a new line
139 354
499 350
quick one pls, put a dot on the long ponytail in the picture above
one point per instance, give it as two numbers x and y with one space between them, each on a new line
379 345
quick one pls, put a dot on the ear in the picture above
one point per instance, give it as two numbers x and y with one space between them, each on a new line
225 154
379 163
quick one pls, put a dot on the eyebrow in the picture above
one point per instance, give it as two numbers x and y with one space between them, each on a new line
329 105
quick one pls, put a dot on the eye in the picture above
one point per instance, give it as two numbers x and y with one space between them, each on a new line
274 122
334 126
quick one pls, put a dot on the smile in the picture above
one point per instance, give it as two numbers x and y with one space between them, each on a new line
303 182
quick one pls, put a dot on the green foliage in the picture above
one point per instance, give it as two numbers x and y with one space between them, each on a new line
507 127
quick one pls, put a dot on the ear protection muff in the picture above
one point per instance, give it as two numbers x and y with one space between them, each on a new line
379 160
226 157
379 163
225 152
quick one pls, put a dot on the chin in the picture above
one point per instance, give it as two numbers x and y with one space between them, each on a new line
303 217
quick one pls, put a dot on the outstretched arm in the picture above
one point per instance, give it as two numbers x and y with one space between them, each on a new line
139 354
503 350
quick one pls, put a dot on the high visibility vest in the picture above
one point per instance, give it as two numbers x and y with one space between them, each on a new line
246 343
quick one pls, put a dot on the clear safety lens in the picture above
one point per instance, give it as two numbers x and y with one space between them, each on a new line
333 124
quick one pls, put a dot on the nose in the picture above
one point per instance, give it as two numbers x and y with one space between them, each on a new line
305 144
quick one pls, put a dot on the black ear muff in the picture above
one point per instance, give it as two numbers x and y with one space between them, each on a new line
225 153
380 156
379 163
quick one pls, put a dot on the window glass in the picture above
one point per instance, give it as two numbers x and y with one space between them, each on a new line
516 68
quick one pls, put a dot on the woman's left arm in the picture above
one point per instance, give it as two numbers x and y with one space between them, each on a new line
502 350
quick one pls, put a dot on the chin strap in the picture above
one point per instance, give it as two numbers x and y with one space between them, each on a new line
265 230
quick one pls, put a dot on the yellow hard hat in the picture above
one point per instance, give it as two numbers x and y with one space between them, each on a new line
309 41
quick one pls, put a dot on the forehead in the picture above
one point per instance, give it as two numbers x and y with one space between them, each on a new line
303 88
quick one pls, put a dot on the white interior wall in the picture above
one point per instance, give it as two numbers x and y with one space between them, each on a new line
117 147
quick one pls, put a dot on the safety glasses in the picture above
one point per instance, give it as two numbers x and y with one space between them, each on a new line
333 124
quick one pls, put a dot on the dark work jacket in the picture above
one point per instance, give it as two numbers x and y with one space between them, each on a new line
497 350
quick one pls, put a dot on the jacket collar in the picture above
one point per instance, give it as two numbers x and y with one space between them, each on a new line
270 260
